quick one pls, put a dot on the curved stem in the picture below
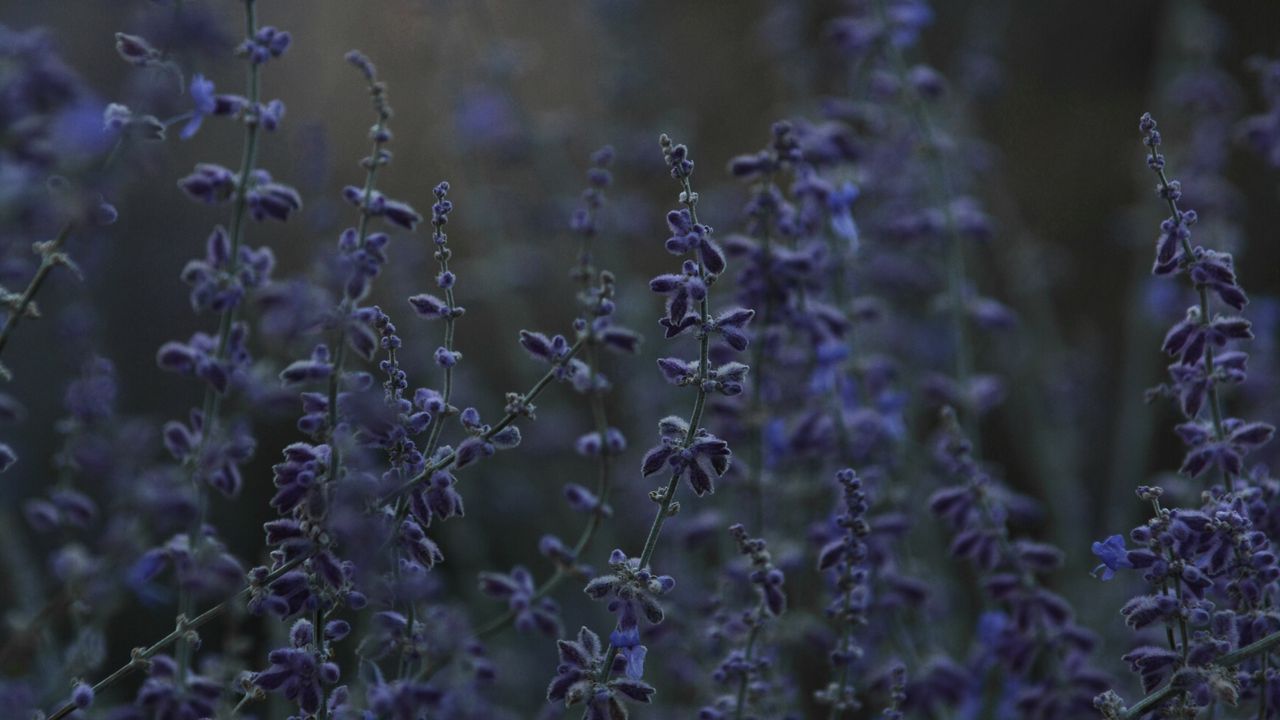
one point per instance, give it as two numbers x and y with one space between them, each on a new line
344 310
141 655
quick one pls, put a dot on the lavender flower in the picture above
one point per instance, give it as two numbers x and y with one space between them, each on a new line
687 448
530 610
1113 555
1210 569
744 671
847 556
299 672
581 663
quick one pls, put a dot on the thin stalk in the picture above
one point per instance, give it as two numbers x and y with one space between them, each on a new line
844 677
501 425
51 256
344 309
1215 404
943 192
741 702
212 398
500 622
846 638
142 655
1231 659
433 439
317 632
437 422
695 420
241 705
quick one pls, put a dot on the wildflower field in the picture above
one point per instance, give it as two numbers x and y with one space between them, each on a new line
768 360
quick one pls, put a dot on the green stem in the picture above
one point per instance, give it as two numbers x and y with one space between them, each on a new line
1215 404
434 434
755 484
344 310
584 272
846 637
695 421
142 655
943 192
501 425
1231 659
241 705
500 622
212 398
50 257
741 703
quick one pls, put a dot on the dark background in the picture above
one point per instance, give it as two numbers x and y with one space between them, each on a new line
507 99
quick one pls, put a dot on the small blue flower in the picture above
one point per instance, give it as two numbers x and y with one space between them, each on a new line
840 203
1113 555
205 103
628 645
991 625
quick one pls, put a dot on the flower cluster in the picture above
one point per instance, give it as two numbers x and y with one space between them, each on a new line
845 558
687 449
211 448
1210 569
856 328
744 671
529 606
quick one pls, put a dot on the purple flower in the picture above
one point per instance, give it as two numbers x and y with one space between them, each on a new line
209 183
269 42
627 643
136 50
699 458
635 590
268 199
204 103
682 290
82 695
840 205
518 590
298 672
689 236
579 680
1114 556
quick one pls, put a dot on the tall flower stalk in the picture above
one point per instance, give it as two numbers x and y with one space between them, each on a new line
587 671
595 324
1211 569
209 451
312 480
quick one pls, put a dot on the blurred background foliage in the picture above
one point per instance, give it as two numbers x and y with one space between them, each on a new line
507 99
